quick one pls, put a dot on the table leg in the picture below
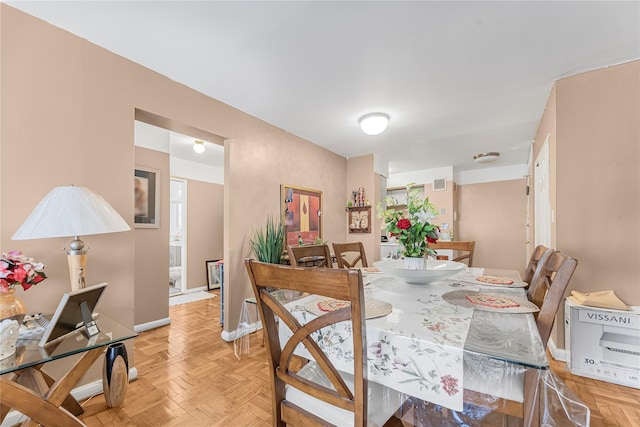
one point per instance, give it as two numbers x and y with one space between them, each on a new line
33 406
46 408
532 399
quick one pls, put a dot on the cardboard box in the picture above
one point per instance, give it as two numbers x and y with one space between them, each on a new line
603 344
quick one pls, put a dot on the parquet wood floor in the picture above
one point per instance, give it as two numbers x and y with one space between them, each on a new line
188 376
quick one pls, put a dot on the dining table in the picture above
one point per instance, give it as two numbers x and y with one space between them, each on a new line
439 349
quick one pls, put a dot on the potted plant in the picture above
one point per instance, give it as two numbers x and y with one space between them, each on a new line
268 243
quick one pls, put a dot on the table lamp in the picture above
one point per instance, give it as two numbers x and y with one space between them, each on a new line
72 212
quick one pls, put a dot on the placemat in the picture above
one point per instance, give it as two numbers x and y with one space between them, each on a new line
460 298
373 307
483 280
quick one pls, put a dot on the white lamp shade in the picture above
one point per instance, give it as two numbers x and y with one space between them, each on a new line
71 211
374 123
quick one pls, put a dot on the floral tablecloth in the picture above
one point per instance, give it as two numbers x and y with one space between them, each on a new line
417 349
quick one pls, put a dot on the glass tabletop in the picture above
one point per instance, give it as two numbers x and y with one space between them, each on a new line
29 353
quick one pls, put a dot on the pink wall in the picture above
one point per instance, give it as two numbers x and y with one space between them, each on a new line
494 215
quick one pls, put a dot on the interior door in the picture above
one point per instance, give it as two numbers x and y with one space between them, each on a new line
542 202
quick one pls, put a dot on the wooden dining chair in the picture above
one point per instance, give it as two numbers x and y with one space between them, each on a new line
466 247
355 252
318 394
550 281
310 256
537 254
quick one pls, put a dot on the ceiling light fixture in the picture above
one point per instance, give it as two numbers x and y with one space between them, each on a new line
198 146
374 123
487 157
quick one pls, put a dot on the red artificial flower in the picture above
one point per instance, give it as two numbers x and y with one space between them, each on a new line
403 224
431 240
19 274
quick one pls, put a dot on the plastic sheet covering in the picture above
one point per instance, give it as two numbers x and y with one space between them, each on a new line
246 325
553 404
382 402
559 405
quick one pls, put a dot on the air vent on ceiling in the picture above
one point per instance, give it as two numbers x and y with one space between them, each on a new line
439 184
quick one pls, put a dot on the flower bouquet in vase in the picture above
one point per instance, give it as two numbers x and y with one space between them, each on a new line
17 270
411 226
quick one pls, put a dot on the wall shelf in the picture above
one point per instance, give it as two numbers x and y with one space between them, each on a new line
359 219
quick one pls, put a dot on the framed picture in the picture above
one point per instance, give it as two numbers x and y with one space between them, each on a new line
302 214
146 188
213 274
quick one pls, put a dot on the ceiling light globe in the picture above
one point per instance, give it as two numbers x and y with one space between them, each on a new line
199 147
374 123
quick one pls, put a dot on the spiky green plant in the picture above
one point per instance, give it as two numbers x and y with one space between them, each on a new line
268 244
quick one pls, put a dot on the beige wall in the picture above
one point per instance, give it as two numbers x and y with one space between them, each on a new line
151 270
255 169
70 107
598 180
593 122
205 228
443 201
494 215
360 174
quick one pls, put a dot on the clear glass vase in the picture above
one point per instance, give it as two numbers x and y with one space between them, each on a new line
10 305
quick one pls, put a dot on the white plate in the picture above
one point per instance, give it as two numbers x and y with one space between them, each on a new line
436 270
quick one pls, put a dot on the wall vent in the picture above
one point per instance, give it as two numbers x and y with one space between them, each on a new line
439 184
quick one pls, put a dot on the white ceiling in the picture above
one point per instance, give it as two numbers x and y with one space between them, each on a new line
457 78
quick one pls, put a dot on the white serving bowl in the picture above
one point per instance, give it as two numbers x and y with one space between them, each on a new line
436 270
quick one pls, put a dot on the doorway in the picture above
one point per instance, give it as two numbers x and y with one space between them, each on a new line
177 236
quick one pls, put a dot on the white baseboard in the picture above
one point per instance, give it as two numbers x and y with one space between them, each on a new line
79 393
152 325
230 336
559 354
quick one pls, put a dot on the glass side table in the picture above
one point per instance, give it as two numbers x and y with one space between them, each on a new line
48 401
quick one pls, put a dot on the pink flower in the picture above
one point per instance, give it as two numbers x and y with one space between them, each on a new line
17 269
449 384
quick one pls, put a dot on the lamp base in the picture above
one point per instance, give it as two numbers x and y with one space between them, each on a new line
77 269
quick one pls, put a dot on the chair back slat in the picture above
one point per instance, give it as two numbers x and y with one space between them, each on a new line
549 284
342 284
467 247
310 256
354 250
536 256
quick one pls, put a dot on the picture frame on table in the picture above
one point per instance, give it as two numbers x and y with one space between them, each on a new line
146 188
301 210
213 274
